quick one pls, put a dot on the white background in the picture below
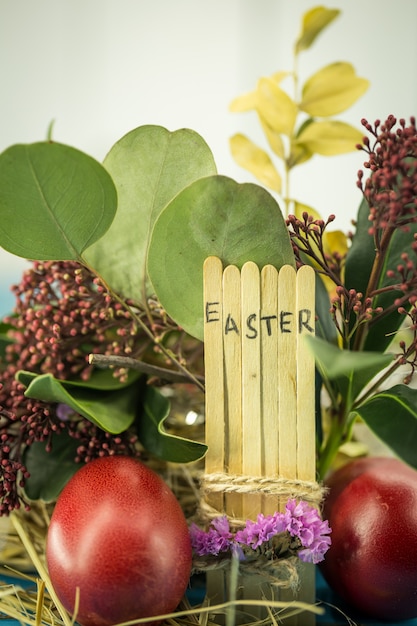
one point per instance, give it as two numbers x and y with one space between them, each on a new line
99 68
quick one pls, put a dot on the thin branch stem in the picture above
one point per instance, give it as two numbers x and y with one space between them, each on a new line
145 329
373 281
103 361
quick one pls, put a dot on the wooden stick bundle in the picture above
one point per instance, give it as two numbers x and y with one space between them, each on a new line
259 379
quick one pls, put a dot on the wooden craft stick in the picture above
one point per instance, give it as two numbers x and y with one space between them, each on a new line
269 379
214 372
232 330
251 383
287 373
306 458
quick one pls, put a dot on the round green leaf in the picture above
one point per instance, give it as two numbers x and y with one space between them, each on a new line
213 216
55 201
149 166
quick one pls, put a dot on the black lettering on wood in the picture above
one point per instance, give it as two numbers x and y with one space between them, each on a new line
267 319
283 322
230 325
304 316
212 315
253 331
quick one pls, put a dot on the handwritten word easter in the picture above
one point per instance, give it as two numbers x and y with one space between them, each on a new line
286 321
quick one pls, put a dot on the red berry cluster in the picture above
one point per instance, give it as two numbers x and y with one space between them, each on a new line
391 188
62 314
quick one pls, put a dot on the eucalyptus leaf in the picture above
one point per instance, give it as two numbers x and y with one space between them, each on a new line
112 410
351 371
55 201
155 439
50 471
392 416
212 216
149 166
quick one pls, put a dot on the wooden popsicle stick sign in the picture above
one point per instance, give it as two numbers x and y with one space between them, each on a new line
260 380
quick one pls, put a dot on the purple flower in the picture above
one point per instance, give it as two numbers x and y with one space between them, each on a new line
64 412
216 539
304 522
256 533
299 520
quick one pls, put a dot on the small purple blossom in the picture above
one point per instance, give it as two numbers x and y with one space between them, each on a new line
300 521
305 523
216 539
256 533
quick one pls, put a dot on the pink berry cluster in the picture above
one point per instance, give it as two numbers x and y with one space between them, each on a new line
62 314
390 191
391 187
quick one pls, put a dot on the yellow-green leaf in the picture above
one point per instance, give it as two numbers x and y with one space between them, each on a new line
247 101
274 139
252 158
243 103
332 89
280 75
299 208
314 22
330 137
299 153
275 106
335 241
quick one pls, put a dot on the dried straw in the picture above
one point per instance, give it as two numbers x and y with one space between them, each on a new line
34 602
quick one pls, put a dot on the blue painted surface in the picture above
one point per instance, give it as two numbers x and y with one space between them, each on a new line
332 617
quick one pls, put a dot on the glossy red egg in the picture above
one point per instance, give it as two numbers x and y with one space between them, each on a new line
118 533
372 562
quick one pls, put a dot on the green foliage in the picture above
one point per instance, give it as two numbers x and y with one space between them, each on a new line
143 224
112 410
149 166
145 221
298 122
350 371
360 262
215 216
151 432
50 470
392 416
55 201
